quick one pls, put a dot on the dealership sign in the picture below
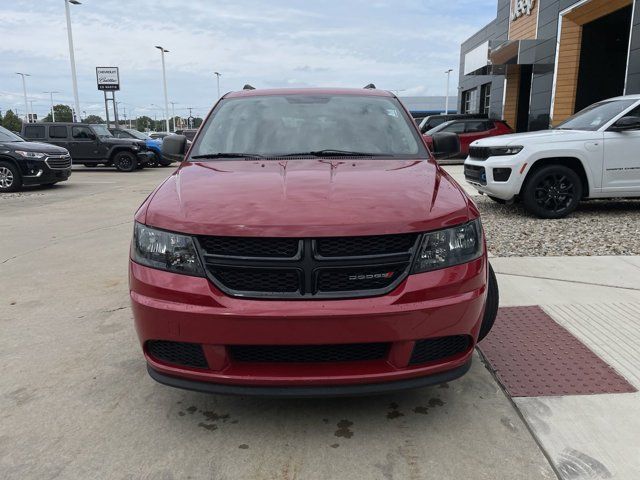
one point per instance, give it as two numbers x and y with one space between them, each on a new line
522 7
108 78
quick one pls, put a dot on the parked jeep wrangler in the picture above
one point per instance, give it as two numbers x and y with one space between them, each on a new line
91 145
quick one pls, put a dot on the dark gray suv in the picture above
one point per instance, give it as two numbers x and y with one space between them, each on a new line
91 145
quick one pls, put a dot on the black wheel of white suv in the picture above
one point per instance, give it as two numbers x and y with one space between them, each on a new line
125 161
553 191
491 307
10 178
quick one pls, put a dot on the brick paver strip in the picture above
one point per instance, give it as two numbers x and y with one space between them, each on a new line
534 356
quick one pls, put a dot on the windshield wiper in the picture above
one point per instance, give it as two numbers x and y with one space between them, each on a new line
332 153
227 155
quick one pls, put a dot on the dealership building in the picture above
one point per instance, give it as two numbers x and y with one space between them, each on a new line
540 61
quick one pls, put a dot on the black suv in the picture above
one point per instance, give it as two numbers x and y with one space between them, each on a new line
27 163
91 145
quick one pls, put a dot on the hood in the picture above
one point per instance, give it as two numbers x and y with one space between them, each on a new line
35 147
153 142
302 198
539 137
123 141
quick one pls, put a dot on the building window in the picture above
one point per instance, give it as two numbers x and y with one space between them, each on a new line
485 98
470 101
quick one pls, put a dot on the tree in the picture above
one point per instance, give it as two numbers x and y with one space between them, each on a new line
0 118
93 119
11 121
197 122
63 114
144 123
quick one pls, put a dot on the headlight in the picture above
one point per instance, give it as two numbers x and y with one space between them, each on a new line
445 248
31 155
165 250
504 151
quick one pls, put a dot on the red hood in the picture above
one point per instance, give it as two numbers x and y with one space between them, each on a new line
302 198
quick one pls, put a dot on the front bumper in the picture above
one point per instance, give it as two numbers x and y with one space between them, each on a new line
44 175
483 175
179 308
145 156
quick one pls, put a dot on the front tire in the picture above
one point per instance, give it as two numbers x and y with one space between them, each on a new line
491 307
10 178
552 192
125 161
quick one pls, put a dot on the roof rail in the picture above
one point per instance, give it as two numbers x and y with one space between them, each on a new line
371 86
248 87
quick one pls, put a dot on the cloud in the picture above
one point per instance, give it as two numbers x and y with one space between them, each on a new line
399 44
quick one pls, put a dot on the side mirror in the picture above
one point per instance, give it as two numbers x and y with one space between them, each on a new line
174 147
626 123
445 145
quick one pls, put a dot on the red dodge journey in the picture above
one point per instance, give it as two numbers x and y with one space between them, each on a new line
309 245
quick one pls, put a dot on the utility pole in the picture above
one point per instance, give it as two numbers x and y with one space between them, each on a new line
190 121
218 74
24 89
74 78
446 99
53 113
164 83
173 114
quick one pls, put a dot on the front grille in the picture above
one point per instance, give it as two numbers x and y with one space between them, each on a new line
475 174
479 153
59 162
433 349
259 279
251 246
308 353
335 267
361 246
177 353
348 279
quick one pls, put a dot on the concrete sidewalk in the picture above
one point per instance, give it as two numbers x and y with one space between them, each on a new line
597 299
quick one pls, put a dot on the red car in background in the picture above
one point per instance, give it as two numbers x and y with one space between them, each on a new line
469 130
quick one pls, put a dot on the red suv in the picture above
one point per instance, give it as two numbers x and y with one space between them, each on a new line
470 130
308 245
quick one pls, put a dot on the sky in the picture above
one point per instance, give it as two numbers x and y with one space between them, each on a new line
401 45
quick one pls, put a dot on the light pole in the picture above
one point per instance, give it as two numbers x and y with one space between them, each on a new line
53 113
218 75
74 78
164 83
173 114
24 89
446 98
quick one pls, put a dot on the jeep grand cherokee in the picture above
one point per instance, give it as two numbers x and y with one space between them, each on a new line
309 245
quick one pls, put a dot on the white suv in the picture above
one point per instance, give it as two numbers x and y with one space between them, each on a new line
594 154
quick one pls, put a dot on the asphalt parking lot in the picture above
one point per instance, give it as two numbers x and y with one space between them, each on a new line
77 402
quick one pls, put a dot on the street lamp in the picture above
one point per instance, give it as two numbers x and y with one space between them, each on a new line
24 89
74 78
173 114
446 100
53 113
164 83
218 75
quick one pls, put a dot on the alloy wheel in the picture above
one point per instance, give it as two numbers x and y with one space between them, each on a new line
6 177
555 193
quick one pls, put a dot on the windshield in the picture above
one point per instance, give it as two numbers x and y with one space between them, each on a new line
595 116
136 134
299 124
7 136
101 131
